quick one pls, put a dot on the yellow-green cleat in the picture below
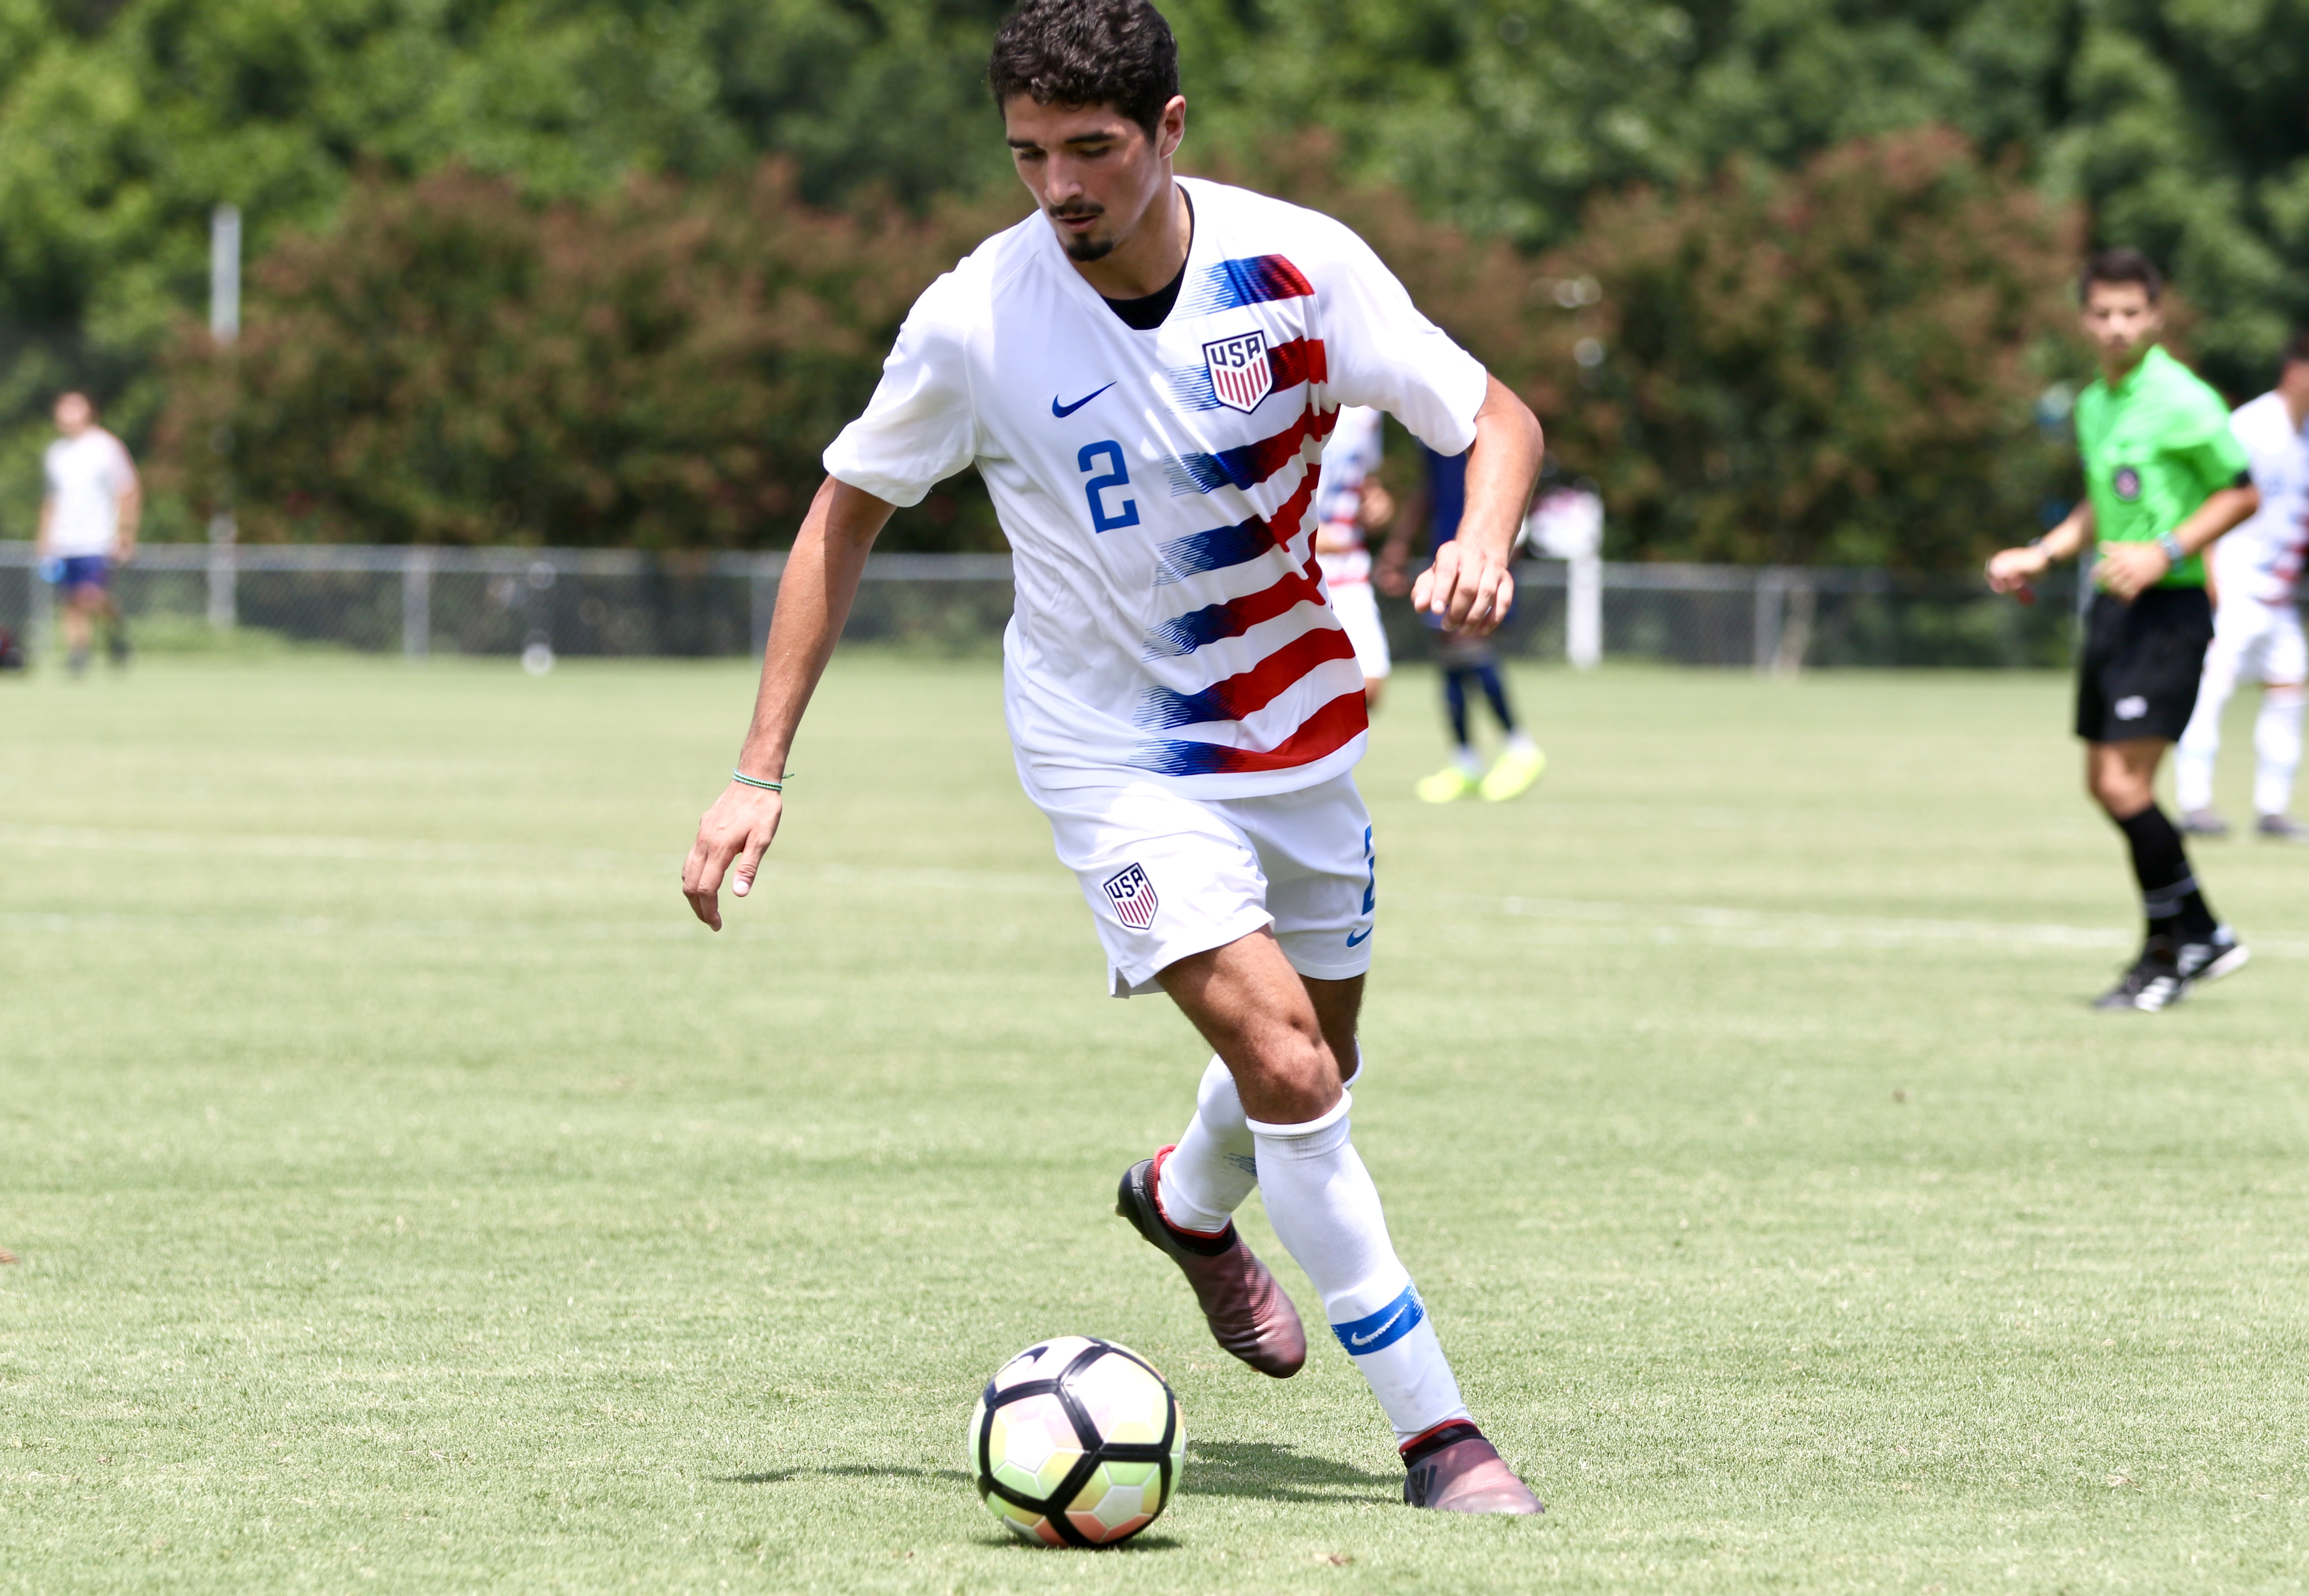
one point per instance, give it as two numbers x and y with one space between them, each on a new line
1513 773
1445 786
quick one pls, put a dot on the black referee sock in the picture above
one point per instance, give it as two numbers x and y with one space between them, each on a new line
2168 890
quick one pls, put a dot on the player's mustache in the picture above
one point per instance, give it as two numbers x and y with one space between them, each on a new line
1077 208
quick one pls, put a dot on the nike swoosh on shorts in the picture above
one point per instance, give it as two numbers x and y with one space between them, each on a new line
1355 941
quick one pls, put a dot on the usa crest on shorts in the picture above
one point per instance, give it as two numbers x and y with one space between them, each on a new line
1133 897
1240 372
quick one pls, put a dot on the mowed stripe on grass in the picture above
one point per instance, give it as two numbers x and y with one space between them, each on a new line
408 1197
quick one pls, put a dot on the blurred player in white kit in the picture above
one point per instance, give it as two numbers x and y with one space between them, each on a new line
2257 625
88 525
1353 502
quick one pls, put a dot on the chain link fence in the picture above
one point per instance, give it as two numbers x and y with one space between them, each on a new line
551 602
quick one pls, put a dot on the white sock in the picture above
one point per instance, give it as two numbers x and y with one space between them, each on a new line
1324 1208
1519 742
1468 760
2277 748
1215 1164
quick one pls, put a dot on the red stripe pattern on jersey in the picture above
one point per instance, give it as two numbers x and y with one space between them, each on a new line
1197 628
1248 692
1325 732
1320 641
1248 465
1245 541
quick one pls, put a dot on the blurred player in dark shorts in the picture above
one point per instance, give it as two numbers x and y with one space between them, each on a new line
1466 661
2164 477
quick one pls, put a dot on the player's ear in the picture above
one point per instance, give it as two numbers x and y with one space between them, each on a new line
1171 130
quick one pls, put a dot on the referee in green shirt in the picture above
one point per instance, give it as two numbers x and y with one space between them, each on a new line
2164 478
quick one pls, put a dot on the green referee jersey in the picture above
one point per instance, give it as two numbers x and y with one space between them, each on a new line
2155 446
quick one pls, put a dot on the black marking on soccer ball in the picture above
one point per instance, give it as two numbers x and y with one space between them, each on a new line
1095 1448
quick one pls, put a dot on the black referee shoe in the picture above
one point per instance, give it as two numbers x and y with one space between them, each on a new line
2219 954
2154 982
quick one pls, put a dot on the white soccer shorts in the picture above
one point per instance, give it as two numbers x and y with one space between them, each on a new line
1357 608
1167 876
2257 642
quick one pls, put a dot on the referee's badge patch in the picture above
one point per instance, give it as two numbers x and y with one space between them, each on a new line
2128 483
1133 897
1240 372
2126 709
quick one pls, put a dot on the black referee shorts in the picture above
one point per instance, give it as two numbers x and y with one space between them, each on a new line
2141 664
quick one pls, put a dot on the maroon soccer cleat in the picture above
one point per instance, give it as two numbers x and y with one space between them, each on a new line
1454 1470
1248 1313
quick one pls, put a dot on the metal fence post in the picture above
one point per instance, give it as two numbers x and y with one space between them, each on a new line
417 603
1770 596
1583 610
224 570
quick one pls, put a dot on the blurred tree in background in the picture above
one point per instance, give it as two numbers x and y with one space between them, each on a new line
659 367
2178 124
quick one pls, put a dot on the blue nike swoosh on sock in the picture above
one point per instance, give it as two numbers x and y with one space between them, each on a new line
1365 1341
1063 411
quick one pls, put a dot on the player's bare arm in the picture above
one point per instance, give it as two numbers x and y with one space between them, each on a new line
815 592
2011 569
1469 584
2129 569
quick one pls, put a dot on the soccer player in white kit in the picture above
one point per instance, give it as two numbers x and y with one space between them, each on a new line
88 525
1144 373
2257 624
1352 503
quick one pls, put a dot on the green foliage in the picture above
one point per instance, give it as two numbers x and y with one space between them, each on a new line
2176 123
1834 365
660 367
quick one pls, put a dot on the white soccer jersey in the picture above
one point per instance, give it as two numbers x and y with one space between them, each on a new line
1349 460
86 477
1158 488
2261 558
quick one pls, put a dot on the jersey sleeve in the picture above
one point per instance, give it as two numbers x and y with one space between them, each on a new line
920 427
2215 459
1382 352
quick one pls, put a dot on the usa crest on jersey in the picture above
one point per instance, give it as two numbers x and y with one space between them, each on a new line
1240 372
1133 897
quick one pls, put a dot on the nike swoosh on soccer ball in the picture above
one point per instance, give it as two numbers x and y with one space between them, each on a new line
1063 410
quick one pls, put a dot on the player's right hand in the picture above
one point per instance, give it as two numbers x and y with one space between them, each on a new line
2011 569
736 830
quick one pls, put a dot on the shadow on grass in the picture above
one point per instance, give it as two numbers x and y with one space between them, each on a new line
841 1471
1271 1473
1263 1470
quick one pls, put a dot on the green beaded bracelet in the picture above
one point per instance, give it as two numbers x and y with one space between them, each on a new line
777 786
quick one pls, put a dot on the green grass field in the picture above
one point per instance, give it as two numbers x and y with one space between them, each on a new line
410 1198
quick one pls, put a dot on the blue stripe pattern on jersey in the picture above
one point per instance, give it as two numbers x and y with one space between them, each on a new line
1384 1328
1252 280
1220 547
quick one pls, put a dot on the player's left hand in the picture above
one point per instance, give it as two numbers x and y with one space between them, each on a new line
1469 587
2128 570
737 830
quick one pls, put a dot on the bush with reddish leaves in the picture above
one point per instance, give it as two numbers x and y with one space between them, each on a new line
451 364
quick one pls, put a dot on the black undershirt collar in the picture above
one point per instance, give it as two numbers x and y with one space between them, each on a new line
1144 315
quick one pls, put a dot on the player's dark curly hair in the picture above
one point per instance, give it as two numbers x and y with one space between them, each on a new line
1116 53
2123 265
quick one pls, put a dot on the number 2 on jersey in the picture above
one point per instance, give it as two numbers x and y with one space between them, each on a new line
1126 512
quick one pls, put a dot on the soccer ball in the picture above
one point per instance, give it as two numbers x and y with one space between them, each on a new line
1077 1442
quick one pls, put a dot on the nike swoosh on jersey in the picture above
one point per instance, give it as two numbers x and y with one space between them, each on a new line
1063 410
1365 1341
1355 941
